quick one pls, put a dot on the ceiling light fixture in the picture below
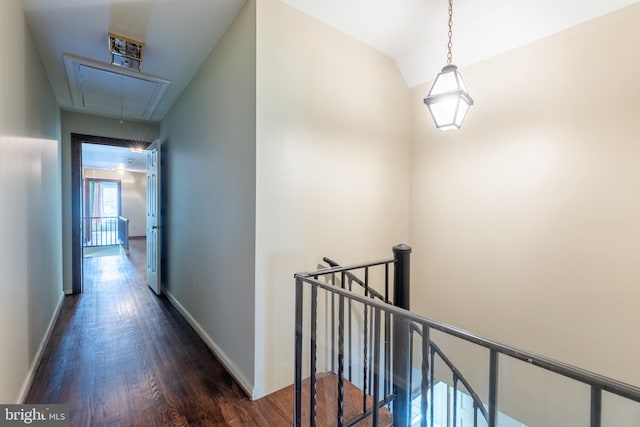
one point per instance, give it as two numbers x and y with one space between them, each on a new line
125 52
448 100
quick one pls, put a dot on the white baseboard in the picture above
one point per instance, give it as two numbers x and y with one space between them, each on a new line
231 367
26 385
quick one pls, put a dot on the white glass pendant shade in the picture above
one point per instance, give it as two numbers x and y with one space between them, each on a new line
448 99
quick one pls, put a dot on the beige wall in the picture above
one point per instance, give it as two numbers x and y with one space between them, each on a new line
208 143
30 211
332 166
133 194
524 224
86 124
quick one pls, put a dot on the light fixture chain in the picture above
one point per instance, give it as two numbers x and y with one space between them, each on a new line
450 34
121 96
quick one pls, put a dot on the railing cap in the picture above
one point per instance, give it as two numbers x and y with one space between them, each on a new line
401 247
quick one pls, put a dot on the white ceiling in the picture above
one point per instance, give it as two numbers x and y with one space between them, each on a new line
179 35
97 156
414 32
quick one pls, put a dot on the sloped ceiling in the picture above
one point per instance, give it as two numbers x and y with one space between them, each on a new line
180 34
414 32
178 37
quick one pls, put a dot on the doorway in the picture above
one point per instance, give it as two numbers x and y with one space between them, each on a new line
78 195
102 213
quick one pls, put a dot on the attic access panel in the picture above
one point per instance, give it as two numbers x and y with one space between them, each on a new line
101 90
107 89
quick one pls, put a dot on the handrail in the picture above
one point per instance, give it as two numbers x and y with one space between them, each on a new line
123 233
478 402
581 375
457 373
340 269
356 279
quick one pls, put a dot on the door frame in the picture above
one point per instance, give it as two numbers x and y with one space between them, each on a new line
77 140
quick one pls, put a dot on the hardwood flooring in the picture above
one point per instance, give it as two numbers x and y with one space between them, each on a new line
121 356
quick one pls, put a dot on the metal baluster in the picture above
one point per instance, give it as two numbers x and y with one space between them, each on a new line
493 388
425 375
365 324
475 414
297 391
350 334
313 361
376 367
448 407
455 400
386 283
410 367
387 353
401 368
596 406
433 380
333 325
387 335
341 357
371 321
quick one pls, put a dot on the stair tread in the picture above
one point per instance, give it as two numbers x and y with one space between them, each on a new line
327 402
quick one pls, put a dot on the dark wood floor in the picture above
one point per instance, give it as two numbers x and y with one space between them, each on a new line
121 356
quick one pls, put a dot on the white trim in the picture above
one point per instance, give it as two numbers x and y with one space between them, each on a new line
231 367
73 65
31 374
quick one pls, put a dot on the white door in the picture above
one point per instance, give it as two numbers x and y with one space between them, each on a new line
153 220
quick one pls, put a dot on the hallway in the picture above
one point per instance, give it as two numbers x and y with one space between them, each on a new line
120 356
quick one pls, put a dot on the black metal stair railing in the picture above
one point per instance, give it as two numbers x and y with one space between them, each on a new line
368 323
386 344
375 357
457 376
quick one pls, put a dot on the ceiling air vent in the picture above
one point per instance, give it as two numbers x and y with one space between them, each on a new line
125 52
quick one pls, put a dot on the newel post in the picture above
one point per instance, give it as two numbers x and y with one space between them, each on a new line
401 337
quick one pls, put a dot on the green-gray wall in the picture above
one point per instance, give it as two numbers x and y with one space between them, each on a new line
30 211
210 174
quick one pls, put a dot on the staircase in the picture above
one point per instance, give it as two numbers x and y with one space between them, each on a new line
362 358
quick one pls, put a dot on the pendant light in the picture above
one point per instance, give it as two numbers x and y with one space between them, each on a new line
448 100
